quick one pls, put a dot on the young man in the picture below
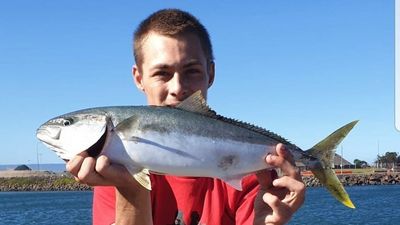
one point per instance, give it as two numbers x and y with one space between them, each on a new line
174 59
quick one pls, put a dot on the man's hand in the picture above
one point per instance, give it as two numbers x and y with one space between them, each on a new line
279 198
98 172
133 204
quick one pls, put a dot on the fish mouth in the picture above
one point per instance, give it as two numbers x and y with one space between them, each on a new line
96 148
48 134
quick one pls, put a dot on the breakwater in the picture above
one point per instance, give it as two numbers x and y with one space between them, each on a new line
42 183
359 179
65 182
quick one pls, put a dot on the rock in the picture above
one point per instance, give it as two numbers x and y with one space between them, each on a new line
22 167
44 183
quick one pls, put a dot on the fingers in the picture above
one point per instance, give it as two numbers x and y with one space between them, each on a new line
285 194
82 167
88 175
102 165
295 197
87 168
281 212
282 154
74 165
286 167
115 173
293 185
98 172
282 151
283 160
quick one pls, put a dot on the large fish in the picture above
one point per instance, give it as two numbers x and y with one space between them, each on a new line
187 140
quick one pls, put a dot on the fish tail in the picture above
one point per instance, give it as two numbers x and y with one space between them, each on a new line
325 152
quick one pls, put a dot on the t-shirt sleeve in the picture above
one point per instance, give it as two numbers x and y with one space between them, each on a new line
103 205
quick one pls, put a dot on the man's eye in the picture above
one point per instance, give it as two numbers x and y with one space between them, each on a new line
162 73
193 71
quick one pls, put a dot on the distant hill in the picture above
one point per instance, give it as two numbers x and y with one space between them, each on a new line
53 167
22 167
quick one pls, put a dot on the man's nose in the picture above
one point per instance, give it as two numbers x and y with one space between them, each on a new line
178 87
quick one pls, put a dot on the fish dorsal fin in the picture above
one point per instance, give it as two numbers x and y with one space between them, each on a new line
197 104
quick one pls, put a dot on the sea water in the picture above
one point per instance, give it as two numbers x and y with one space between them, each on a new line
45 207
375 205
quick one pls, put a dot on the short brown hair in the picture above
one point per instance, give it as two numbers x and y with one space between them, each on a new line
171 22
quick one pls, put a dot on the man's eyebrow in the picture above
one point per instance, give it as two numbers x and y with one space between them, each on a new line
193 62
161 66
189 63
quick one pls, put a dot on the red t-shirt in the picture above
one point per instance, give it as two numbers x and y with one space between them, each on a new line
186 200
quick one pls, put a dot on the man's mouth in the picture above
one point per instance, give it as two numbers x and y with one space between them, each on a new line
173 104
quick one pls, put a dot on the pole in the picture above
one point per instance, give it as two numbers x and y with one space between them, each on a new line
37 155
379 161
341 159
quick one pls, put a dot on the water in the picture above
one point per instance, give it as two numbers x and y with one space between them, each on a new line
375 205
45 207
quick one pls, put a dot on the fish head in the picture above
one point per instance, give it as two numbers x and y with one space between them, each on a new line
73 133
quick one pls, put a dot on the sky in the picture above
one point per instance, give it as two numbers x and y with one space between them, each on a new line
301 69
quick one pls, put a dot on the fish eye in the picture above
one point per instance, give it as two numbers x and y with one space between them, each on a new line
67 122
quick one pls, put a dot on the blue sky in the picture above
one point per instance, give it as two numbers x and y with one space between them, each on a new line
299 68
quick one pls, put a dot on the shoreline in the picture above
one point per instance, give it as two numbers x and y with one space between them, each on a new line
39 181
50 181
358 179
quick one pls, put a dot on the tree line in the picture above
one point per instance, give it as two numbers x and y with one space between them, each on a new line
388 160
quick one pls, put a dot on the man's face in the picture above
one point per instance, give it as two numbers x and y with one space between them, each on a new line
173 68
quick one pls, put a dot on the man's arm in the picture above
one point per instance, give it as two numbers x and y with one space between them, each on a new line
133 204
133 208
278 199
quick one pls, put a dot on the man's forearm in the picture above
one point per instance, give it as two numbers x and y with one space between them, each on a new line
133 208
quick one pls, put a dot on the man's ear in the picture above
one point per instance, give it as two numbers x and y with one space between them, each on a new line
211 73
138 78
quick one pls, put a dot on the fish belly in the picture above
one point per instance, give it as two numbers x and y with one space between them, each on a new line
190 155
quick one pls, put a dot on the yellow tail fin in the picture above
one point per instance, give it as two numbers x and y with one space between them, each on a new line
325 152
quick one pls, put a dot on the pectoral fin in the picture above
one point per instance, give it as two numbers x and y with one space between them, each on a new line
234 181
142 177
126 128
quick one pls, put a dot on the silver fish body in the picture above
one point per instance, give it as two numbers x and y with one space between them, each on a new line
173 141
190 140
